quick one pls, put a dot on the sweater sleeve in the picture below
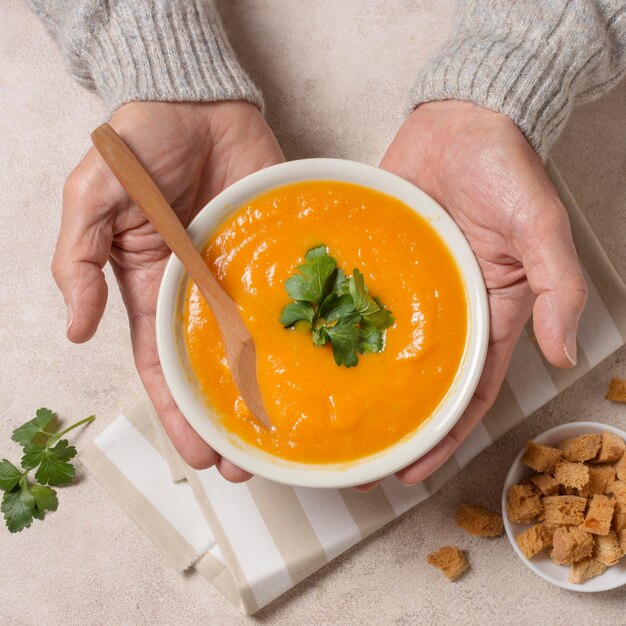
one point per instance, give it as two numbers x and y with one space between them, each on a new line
531 60
164 50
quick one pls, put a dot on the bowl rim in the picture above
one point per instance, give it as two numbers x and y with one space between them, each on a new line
411 447
545 438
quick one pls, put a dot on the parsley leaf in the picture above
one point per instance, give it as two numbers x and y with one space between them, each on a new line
54 468
337 309
9 475
28 432
46 453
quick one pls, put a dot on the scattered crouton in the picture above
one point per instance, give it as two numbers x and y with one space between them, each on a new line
548 485
523 504
620 467
617 390
542 459
479 521
564 510
581 448
574 475
534 540
611 450
600 515
450 560
607 549
585 569
571 545
599 477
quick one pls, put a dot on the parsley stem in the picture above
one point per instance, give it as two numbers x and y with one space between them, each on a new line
58 436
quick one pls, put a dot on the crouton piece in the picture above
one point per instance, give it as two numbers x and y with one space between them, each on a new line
450 560
523 504
617 390
611 450
548 485
542 459
477 520
574 475
534 540
622 540
581 448
564 510
599 477
585 569
571 545
617 489
620 468
607 549
599 515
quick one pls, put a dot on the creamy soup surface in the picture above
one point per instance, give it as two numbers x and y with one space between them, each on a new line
321 412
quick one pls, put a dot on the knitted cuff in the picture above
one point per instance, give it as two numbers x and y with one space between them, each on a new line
163 51
530 61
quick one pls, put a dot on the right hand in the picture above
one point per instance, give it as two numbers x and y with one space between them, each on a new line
193 151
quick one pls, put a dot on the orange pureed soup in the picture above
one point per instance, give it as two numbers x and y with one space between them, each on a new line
321 412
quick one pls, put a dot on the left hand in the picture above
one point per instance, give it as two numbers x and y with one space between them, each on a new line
480 168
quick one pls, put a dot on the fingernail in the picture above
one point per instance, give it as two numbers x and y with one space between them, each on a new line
569 346
70 319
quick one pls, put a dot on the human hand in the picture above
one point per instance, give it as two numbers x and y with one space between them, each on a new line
480 168
193 151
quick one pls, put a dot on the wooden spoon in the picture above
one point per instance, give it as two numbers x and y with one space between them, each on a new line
145 194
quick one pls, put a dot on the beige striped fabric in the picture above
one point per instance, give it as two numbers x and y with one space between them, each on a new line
256 540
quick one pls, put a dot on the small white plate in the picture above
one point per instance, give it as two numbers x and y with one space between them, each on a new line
542 564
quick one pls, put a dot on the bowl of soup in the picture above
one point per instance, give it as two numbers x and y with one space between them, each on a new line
353 394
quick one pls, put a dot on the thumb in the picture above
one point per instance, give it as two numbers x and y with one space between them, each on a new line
555 276
81 252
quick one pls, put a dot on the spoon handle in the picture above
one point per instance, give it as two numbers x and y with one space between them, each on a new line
148 197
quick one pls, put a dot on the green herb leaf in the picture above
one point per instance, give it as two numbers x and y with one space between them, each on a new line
9 475
296 312
54 468
45 497
315 278
337 309
346 340
28 432
18 507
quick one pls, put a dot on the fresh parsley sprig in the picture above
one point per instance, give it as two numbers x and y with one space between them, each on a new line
337 309
46 453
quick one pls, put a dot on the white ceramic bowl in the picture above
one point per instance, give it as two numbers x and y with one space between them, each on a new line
542 564
181 380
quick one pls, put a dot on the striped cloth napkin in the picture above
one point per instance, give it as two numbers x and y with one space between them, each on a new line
256 540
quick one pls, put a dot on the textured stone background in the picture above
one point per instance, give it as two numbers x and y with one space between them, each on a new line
336 78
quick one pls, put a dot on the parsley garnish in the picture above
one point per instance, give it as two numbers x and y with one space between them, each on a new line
336 309
45 452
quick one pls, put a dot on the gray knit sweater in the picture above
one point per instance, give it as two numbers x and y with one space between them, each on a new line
532 60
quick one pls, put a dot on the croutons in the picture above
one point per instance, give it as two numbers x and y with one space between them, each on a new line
599 477
617 489
568 474
620 467
534 540
571 545
581 448
523 504
548 485
564 510
542 459
450 560
479 521
607 549
617 390
585 569
600 514
611 450
622 540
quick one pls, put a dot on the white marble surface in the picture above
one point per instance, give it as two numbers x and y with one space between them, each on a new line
336 78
